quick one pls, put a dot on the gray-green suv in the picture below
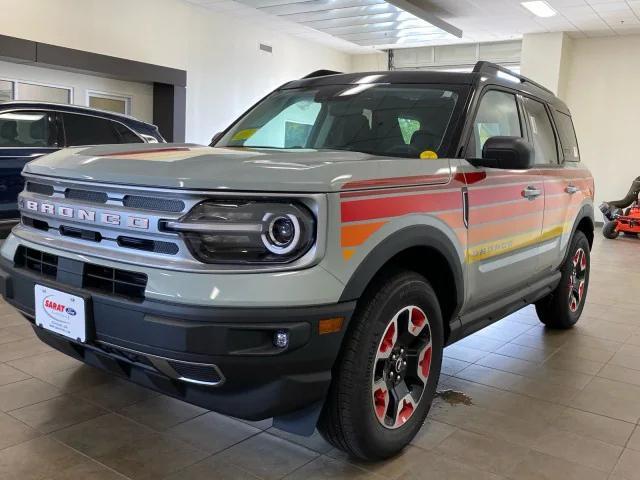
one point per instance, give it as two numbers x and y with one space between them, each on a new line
312 265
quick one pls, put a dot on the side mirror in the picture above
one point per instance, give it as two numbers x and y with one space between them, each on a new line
215 139
513 153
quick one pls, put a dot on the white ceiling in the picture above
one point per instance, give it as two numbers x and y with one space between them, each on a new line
480 20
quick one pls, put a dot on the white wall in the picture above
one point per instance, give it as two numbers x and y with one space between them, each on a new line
602 92
141 94
226 72
371 62
542 58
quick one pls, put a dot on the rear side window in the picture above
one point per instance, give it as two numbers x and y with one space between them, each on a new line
567 137
88 130
497 116
544 140
25 129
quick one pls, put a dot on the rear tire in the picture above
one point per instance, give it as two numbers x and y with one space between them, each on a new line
562 307
609 230
375 405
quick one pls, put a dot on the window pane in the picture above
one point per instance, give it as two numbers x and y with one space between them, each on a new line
28 91
6 91
567 137
126 135
24 129
497 116
544 140
109 104
88 130
408 126
288 129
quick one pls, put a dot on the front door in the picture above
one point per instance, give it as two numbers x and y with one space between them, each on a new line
506 208
24 136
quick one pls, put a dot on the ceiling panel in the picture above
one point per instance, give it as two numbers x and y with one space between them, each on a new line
358 26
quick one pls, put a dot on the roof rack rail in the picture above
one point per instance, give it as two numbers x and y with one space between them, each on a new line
488 67
321 73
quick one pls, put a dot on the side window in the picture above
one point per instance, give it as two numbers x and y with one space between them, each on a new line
126 135
289 129
544 140
408 126
25 129
88 130
567 137
497 116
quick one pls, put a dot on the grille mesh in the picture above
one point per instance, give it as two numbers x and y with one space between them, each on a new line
202 373
152 203
40 188
86 195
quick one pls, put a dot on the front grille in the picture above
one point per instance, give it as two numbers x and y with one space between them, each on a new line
43 263
86 195
152 203
111 281
40 188
114 281
155 246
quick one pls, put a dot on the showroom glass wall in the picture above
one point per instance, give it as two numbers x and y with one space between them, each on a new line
33 91
457 58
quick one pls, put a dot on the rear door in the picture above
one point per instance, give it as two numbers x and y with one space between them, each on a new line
506 207
24 136
81 129
556 183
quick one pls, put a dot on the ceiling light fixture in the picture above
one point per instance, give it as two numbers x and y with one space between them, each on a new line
540 8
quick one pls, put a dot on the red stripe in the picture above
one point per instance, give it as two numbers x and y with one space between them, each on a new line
357 210
396 181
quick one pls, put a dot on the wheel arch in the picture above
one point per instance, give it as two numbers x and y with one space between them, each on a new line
423 249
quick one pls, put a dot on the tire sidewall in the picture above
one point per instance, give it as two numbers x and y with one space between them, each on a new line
412 290
579 241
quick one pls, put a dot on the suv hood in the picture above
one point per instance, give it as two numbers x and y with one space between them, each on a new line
262 170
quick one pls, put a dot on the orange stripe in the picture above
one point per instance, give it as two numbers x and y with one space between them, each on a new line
483 233
353 235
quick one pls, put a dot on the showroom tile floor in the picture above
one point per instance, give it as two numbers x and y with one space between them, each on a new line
536 404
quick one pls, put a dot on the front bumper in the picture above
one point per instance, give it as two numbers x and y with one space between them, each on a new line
222 359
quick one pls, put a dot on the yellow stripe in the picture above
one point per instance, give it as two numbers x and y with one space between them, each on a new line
509 244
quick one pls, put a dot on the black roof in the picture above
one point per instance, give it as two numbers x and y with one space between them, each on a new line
483 73
63 107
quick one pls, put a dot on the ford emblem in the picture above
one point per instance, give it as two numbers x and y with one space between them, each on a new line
70 311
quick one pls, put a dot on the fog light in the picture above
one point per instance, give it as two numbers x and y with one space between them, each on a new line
281 339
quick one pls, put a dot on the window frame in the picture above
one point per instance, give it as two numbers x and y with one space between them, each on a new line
128 100
470 130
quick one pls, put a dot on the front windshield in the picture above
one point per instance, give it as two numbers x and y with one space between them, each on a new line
381 119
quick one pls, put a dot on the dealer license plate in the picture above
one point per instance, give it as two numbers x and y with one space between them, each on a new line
61 313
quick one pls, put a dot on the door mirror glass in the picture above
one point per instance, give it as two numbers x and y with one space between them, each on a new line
511 153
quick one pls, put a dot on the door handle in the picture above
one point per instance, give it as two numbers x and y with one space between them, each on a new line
571 189
531 193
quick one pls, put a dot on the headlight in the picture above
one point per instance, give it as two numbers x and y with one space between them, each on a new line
247 232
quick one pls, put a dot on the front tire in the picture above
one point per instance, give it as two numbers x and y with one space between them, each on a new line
388 370
562 307
609 230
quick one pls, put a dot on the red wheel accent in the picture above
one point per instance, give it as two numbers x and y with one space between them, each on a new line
381 402
405 412
389 339
418 320
425 363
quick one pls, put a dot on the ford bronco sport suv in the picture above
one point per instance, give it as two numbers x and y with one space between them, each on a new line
312 265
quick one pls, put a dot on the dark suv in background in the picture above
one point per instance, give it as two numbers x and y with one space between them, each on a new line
29 130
